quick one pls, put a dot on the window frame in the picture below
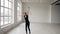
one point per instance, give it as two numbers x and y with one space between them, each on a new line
19 11
12 3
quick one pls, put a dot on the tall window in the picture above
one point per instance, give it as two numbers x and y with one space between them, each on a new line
6 12
19 11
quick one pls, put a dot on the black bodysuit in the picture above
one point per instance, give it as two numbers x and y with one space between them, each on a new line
26 19
27 24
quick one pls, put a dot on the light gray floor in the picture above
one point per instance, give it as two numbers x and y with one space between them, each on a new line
37 28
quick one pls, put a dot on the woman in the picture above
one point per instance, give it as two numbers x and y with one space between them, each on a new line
27 24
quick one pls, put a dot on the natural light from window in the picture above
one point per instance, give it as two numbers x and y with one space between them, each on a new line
19 12
6 12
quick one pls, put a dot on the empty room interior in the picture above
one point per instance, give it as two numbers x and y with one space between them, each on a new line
43 16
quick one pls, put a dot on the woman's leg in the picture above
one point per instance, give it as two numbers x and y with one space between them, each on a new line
29 27
26 28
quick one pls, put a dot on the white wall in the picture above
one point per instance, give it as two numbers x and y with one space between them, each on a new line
55 14
38 12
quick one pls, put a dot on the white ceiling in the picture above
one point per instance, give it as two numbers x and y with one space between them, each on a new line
38 1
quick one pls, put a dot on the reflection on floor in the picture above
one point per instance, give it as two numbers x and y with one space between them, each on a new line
37 28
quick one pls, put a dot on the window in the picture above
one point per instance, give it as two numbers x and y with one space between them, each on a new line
19 11
6 13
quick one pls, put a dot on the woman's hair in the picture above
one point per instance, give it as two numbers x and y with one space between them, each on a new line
25 13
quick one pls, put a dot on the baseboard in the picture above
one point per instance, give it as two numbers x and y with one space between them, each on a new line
41 22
